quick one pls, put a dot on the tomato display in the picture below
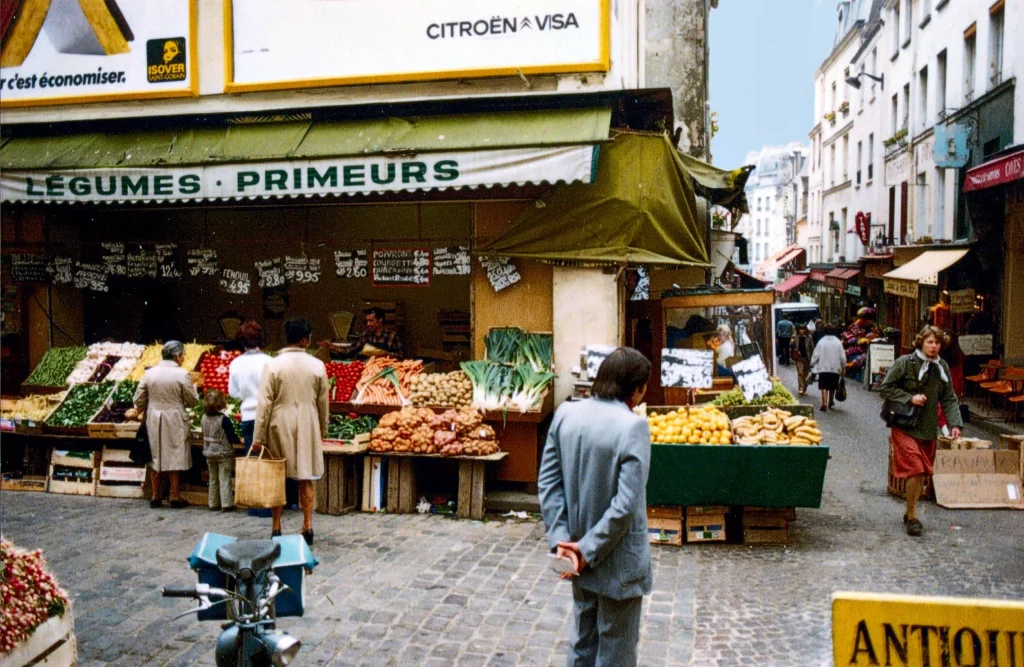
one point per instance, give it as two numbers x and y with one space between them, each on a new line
343 376
214 367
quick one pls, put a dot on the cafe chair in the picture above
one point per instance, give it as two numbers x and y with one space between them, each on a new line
1013 405
1004 386
987 374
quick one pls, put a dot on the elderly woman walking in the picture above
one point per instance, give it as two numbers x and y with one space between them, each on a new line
164 395
921 379
291 417
829 363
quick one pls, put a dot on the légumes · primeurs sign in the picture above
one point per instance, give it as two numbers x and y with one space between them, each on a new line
303 177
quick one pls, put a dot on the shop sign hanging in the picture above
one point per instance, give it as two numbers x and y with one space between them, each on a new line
401 267
961 301
270 273
71 52
979 345
904 288
289 178
692 369
235 282
115 259
863 227
302 270
62 271
351 263
166 258
202 262
853 290
92 277
753 378
501 272
453 261
141 264
29 269
284 44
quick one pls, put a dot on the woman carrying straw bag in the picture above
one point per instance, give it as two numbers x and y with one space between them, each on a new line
292 412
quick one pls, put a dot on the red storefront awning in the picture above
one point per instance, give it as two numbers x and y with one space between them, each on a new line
791 283
996 172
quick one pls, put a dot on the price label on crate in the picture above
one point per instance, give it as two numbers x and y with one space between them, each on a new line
235 282
753 378
501 272
202 262
692 369
302 270
401 266
92 277
451 261
115 259
351 263
61 270
270 273
167 261
142 264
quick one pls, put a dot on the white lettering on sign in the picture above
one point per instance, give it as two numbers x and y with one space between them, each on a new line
752 377
692 369
62 270
165 255
270 273
302 270
141 265
351 263
977 346
235 282
202 262
92 277
453 261
114 258
501 272
401 266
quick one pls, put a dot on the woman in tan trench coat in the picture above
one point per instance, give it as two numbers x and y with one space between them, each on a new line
164 395
291 416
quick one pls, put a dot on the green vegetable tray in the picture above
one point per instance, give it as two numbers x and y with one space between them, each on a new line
761 475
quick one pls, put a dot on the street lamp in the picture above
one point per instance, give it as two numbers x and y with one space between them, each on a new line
854 81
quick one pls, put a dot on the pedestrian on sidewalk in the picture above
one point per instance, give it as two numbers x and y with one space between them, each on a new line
219 440
783 336
291 417
592 487
803 351
828 362
163 397
922 379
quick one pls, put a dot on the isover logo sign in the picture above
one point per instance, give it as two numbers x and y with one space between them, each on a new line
917 631
502 25
165 59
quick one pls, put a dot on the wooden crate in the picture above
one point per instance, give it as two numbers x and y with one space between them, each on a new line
338 491
666 531
101 431
765 526
87 468
52 644
119 476
374 467
26 483
700 510
401 485
705 528
471 490
664 512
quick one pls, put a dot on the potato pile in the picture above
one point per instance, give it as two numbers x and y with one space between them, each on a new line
776 427
422 431
699 425
446 390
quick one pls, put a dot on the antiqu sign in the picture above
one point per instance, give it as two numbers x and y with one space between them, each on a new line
282 44
917 631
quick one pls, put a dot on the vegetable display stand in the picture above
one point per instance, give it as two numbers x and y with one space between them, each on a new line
52 644
73 473
761 475
338 491
401 481
120 477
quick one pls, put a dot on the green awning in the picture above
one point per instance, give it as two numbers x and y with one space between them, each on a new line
306 140
718 186
641 210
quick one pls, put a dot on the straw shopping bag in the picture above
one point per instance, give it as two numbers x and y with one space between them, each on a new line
259 481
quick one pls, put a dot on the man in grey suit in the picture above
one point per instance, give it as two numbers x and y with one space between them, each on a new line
592 486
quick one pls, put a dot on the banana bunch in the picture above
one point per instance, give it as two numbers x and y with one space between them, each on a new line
775 427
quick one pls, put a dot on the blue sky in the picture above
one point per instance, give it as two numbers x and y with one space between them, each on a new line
763 57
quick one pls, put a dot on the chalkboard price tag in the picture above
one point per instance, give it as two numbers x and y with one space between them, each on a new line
115 259
692 369
302 270
141 265
92 277
61 270
501 272
753 378
351 263
166 257
29 269
235 282
270 273
202 262
408 267
452 261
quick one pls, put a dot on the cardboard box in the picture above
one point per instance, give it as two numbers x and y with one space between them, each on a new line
664 512
705 527
978 478
701 510
666 531
766 526
964 443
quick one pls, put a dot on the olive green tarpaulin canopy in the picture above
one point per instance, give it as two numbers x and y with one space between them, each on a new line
718 186
641 210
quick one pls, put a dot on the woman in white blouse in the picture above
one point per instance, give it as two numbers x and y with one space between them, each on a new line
245 372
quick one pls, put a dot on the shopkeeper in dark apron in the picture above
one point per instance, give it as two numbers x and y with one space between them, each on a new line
376 340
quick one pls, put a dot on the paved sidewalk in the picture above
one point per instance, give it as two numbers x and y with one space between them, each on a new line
412 590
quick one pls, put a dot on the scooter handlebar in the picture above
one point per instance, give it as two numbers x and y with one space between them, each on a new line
180 591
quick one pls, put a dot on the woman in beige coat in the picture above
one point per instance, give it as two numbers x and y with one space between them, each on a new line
291 416
164 396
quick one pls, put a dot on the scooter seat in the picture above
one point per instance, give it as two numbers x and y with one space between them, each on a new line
253 555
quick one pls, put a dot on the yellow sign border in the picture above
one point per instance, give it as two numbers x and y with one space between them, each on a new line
602 65
191 91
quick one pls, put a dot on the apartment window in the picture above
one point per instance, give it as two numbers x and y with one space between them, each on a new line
846 158
896 30
874 69
834 107
940 203
862 86
970 58
940 85
860 156
908 21
832 164
923 226
894 121
995 56
758 227
926 9
871 156
906 107
922 82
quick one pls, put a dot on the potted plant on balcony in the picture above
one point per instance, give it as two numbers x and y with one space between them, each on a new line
831 117
844 108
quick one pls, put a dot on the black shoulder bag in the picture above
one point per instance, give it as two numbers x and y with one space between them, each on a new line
901 415
140 452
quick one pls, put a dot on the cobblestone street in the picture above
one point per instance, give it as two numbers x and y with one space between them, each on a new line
412 590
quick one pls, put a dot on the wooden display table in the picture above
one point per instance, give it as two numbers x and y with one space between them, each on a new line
337 492
472 474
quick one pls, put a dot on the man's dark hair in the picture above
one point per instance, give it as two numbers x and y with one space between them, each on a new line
621 373
376 312
250 333
296 330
